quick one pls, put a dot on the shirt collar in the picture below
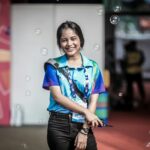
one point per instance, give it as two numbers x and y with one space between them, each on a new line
62 61
86 62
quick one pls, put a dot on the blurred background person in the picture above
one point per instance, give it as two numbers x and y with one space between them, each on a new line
132 68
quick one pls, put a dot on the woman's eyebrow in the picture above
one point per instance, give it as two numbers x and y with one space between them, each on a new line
74 36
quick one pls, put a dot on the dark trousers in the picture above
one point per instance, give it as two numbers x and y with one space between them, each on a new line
137 78
61 133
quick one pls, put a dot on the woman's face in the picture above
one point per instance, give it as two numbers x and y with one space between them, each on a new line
70 42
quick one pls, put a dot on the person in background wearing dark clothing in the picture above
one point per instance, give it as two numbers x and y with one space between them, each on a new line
132 64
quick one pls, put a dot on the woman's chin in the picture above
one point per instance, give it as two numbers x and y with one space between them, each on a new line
70 53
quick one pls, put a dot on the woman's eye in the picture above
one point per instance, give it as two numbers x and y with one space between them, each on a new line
63 40
74 38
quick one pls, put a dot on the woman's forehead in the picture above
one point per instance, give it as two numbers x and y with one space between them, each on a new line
68 32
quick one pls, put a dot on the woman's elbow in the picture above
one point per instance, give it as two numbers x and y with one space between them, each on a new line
56 92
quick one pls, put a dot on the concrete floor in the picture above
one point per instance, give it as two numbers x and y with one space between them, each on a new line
130 131
23 138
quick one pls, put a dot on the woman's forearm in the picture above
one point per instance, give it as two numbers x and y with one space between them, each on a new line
91 107
71 105
93 102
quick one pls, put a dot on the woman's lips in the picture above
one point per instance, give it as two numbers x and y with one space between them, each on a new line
70 49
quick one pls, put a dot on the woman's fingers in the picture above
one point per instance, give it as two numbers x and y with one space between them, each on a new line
80 146
101 123
80 142
96 122
93 120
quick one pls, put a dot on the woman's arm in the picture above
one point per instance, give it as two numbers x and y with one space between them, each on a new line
67 103
93 102
82 136
92 108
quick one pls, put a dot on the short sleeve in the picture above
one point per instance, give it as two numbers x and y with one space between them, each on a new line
50 78
99 86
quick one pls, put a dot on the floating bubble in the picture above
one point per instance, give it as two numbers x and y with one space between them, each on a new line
41 121
37 31
114 19
100 11
18 106
27 78
44 51
24 146
135 104
148 144
117 8
96 46
120 94
27 92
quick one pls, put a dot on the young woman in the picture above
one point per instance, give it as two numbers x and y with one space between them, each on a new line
75 83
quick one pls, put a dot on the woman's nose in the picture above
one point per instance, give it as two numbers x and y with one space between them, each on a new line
69 42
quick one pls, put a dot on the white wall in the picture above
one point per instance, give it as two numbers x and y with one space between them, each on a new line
33 29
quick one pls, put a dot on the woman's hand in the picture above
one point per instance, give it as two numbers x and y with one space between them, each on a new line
80 141
92 119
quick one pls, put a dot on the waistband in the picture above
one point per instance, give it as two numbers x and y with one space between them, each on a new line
60 115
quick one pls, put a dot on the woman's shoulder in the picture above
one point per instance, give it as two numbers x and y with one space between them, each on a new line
56 61
94 63
89 62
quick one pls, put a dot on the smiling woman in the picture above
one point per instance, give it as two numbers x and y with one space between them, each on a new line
75 83
70 43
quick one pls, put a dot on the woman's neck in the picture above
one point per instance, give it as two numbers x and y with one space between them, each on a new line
74 58
75 61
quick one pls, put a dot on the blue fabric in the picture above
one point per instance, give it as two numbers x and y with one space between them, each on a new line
50 78
54 78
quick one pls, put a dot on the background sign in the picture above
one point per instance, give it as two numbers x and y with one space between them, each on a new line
4 62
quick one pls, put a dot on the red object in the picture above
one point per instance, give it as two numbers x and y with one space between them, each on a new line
4 62
144 22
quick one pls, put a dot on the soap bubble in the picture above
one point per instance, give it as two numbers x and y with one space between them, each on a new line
37 31
120 94
24 145
27 78
114 19
117 8
148 144
100 11
96 46
27 92
44 51
18 106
